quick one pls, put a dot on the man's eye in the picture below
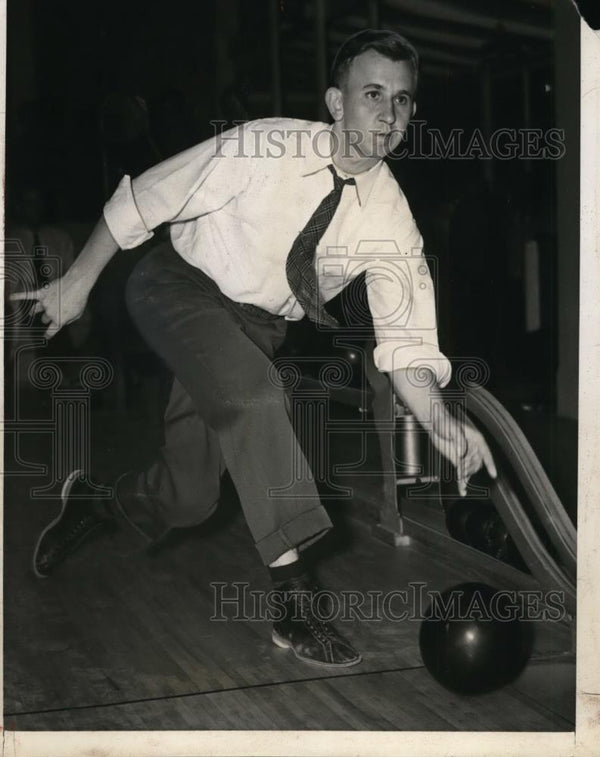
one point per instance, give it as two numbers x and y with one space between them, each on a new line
402 100
373 94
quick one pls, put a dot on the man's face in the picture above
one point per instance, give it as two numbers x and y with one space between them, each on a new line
377 102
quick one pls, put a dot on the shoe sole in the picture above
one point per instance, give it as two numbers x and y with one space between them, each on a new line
285 644
64 497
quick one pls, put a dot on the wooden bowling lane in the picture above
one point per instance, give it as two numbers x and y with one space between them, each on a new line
401 700
120 640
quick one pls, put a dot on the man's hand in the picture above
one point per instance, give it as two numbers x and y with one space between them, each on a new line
63 300
60 302
457 440
465 447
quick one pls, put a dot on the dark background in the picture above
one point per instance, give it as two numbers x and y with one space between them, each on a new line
98 89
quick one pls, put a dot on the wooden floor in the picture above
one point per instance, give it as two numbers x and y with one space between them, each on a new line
121 640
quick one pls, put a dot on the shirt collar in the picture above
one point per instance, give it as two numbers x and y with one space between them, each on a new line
318 157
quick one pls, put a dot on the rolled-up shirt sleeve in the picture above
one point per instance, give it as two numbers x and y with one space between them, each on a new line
123 218
199 180
402 300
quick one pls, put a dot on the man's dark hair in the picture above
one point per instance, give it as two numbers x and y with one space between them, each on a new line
387 43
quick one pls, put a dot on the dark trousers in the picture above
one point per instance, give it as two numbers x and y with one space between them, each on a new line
227 409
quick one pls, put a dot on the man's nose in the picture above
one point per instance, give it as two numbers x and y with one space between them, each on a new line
388 113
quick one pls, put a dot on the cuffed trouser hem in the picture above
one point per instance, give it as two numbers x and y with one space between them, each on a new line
303 530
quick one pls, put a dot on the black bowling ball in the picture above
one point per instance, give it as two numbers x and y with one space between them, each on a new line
487 532
477 523
472 640
458 513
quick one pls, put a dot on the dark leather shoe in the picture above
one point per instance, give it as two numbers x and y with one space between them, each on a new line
78 518
311 639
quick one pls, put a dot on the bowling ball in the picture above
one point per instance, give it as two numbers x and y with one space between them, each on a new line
477 523
458 513
472 641
487 532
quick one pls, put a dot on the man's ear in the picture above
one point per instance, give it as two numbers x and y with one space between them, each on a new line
334 99
414 109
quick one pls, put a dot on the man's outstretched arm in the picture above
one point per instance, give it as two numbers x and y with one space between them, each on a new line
63 300
192 183
462 444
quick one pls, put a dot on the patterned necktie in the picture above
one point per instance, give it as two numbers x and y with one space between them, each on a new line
300 265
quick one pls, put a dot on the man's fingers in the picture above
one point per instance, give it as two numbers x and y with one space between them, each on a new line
483 456
489 461
53 329
475 462
45 318
25 295
38 308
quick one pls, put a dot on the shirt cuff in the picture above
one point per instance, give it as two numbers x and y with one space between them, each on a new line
389 357
123 218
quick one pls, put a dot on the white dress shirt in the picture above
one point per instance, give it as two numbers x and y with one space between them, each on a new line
237 202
